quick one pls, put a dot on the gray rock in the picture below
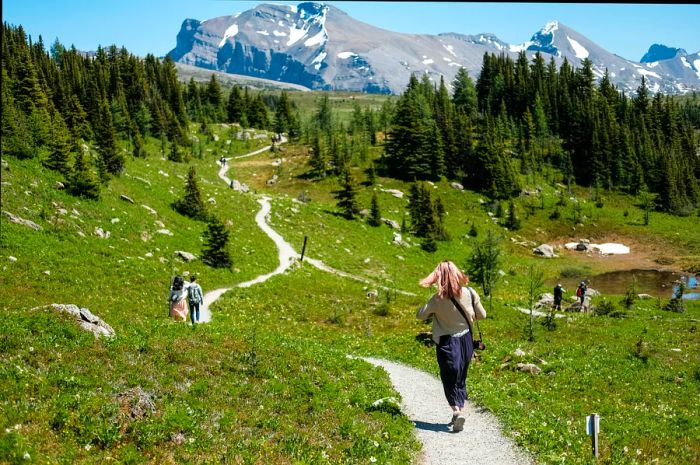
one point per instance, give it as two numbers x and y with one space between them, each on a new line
85 318
186 256
136 403
392 223
150 210
164 231
22 221
544 250
126 198
59 185
99 232
529 368
458 186
12 259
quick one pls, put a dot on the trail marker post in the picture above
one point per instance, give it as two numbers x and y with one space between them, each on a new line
303 249
592 429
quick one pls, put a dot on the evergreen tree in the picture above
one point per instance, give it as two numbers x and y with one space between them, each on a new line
375 217
82 181
215 252
191 204
60 147
347 196
236 105
175 153
513 222
112 160
464 96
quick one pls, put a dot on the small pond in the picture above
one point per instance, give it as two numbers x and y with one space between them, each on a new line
653 282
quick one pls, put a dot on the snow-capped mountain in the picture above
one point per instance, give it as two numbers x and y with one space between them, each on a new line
321 47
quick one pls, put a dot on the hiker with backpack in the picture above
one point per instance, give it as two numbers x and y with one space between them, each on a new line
195 298
581 292
176 299
453 308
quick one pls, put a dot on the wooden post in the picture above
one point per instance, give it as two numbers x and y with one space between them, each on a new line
303 249
593 428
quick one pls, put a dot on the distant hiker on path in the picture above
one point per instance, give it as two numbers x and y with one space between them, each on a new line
195 298
455 344
581 292
558 296
178 306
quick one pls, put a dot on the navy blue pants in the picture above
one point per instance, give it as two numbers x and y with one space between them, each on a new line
453 357
194 312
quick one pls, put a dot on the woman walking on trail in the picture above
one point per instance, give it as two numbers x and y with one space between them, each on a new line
455 345
178 293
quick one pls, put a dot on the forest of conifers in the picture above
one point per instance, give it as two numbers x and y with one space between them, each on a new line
518 116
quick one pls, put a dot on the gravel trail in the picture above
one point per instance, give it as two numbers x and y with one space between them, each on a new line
423 401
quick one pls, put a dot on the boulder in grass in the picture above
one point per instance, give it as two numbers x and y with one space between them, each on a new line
392 223
85 318
186 256
529 368
22 221
126 198
544 250
458 186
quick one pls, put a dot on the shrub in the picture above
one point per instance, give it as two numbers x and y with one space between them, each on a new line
604 307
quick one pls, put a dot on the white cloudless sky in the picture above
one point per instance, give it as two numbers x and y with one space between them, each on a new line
150 26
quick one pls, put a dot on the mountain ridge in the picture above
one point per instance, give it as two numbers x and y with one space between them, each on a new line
321 47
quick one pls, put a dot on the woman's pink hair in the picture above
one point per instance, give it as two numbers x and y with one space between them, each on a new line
449 280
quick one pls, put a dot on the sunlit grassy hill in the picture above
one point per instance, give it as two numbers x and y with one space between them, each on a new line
269 380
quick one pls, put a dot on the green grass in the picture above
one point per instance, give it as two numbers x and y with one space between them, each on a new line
269 380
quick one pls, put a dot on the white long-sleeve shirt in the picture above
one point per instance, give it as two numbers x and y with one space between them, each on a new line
447 319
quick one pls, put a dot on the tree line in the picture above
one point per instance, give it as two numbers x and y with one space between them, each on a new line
58 102
527 117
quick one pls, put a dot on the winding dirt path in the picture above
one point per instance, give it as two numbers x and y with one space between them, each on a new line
287 254
422 398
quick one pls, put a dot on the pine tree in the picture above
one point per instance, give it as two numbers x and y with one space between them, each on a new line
236 105
215 252
347 196
175 153
375 217
60 147
513 222
112 160
191 204
82 181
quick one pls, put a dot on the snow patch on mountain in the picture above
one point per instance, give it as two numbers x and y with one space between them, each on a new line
644 72
293 8
296 34
450 49
446 59
319 58
653 65
318 39
429 61
231 31
265 33
685 63
579 49
696 65
550 27
279 33
346 55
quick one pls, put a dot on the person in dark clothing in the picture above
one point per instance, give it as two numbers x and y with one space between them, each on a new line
558 296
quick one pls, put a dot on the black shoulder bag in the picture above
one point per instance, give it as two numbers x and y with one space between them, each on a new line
478 344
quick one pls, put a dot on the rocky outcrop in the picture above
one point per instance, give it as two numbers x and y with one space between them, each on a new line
85 318
17 220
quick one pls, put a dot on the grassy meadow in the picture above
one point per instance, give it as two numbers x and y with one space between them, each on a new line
270 379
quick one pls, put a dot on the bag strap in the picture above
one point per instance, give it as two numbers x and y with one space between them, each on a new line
464 315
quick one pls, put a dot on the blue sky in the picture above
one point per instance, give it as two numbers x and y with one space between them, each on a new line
150 26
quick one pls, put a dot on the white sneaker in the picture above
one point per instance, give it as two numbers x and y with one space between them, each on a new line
458 423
